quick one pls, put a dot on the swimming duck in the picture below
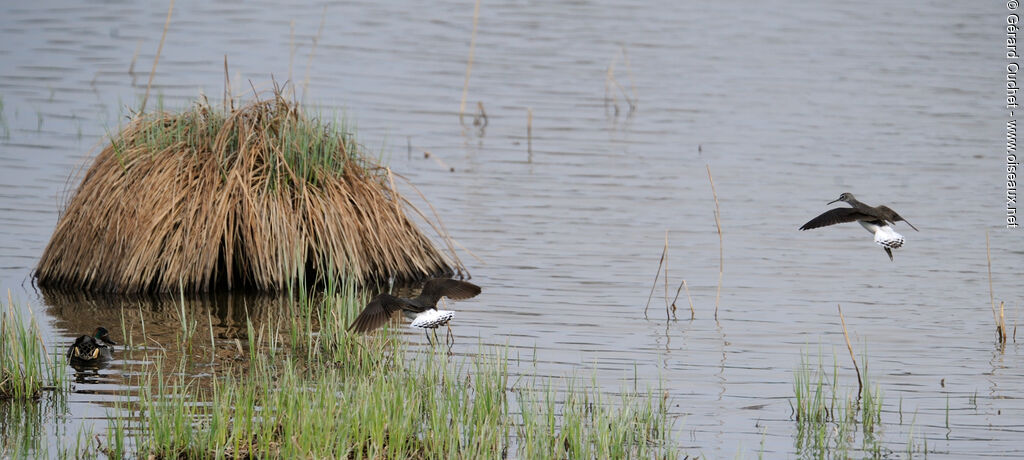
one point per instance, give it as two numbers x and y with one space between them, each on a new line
91 349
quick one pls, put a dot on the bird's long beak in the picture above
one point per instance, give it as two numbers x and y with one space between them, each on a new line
833 201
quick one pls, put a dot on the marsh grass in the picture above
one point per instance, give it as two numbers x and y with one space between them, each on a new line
999 315
26 368
581 422
309 388
33 385
721 243
831 419
469 62
209 197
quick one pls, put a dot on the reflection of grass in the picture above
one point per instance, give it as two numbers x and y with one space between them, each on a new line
25 367
4 132
22 424
309 388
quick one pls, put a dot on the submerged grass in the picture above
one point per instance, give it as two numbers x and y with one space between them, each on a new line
209 197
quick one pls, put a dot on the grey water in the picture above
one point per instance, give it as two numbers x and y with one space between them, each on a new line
788 103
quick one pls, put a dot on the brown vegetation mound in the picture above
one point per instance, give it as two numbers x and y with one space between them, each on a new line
255 197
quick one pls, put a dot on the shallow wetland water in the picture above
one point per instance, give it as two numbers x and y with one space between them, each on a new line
789 104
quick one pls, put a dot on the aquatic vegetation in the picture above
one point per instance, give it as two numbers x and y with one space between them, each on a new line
830 420
403 407
25 366
583 423
335 394
1000 313
234 197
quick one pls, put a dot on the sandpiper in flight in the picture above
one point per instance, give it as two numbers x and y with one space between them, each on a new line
875 219
421 309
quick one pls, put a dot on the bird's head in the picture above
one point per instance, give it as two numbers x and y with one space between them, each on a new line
846 197
103 335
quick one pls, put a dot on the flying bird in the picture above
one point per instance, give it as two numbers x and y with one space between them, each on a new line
422 309
876 219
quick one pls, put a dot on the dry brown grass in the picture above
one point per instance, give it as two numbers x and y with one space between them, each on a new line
245 199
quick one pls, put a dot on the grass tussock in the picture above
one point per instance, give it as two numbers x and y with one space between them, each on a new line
244 198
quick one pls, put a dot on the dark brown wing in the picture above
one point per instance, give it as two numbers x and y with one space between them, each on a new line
436 288
377 313
835 216
891 216
79 347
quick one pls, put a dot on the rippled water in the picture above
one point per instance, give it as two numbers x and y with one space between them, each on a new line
789 104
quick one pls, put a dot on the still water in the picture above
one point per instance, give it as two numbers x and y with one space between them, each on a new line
789 103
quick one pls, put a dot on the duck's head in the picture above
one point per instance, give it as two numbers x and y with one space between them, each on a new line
103 335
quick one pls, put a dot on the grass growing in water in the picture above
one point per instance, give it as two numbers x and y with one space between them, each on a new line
582 423
311 389
830 419
25 367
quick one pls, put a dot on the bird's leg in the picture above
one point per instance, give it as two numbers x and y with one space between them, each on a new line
449 337
435 336
427 333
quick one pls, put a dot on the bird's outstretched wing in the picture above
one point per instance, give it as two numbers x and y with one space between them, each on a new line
378 312
835 216
436 288
892 216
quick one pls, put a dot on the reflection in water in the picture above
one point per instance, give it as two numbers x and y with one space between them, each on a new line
159 330
83 369
215 324
157 320
24 426
20 427
87 374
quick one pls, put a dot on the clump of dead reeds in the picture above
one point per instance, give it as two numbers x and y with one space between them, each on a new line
243 198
